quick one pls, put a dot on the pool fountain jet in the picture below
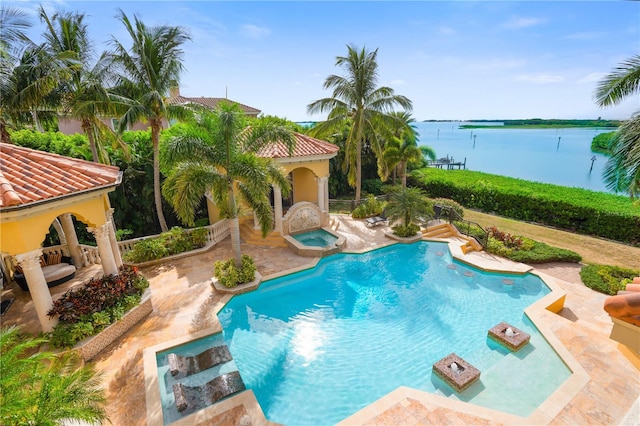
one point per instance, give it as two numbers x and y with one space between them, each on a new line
456 372
509 336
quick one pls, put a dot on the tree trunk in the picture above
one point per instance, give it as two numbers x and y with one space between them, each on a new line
404 174
5 137
155 139
36 121
86 127
234 228
358 169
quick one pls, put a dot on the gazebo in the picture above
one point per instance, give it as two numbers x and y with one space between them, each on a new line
40 189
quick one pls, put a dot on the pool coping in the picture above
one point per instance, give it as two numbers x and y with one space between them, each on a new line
548 305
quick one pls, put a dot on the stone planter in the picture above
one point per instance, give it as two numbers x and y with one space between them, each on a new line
242 288
92 346
405 240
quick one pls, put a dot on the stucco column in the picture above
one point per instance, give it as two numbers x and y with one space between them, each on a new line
112 239
256 224
277 206
30 264
104 248
325 180
72 239
321 194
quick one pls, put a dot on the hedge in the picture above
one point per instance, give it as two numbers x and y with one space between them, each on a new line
574 209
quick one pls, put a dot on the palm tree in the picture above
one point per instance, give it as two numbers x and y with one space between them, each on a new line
148 70
357 99
403 148
218 156
408 206
42 388
83 95
622 171
28 75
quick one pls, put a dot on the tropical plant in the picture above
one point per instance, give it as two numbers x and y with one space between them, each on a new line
28 75
358 101
42 388
147 71
409 207
607 279
622 171
217 155
370 207
230 275
402 149
83 95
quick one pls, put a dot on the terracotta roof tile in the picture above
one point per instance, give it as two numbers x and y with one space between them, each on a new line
306 146
211 103
28 176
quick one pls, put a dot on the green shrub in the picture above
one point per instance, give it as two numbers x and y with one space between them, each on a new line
406 230
526 250
198 237
174 241
370 207
146 250
573 209
607 279
229 275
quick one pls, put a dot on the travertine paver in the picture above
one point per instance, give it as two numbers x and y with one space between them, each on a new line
183 298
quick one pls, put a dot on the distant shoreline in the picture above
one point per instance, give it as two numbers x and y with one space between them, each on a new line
537 123
535 126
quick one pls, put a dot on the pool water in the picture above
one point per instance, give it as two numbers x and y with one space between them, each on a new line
318 238
166 380
319 345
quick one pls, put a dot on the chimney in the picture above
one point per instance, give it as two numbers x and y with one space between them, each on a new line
174 91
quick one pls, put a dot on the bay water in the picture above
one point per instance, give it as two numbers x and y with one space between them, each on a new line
560 156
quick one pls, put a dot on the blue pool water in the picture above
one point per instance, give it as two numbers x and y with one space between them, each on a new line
319 345
165 380
317 238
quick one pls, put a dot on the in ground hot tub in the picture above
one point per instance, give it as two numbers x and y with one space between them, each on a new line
316 243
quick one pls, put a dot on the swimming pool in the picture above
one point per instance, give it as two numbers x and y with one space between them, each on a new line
317 238
319 345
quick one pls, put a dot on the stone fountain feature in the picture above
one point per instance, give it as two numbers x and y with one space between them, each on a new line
306 217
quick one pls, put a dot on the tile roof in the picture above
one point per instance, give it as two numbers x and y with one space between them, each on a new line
305 146
29 176
211 103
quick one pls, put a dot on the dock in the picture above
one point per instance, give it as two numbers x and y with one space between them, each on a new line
449 163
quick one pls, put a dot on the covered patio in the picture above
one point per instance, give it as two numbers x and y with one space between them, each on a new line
39 190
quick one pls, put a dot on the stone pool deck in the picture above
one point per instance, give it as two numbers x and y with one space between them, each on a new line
183 300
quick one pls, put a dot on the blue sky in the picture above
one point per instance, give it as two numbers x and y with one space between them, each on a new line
455 60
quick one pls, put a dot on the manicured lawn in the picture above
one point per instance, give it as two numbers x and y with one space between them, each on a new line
592 250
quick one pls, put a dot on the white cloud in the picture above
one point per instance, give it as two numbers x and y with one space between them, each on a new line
540 78
254 32
594 76
518 22
587 35
498 64
447 30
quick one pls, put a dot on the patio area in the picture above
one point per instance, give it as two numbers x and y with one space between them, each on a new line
184 302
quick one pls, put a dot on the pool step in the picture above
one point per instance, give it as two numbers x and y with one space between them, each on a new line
442 230
254 236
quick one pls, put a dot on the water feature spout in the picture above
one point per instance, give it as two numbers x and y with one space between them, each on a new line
454 367
509 332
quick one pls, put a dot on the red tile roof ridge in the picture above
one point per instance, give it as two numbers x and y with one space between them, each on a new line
28 175
306 146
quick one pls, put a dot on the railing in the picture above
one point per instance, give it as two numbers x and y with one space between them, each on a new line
347 206
90 255
215 233
466 227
